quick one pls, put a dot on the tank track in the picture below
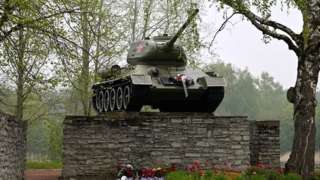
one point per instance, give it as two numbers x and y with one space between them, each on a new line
122 95
118 95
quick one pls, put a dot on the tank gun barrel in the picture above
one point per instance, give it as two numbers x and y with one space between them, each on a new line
183 27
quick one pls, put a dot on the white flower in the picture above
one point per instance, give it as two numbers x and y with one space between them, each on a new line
124 178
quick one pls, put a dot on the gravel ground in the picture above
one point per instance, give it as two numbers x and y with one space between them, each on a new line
42 174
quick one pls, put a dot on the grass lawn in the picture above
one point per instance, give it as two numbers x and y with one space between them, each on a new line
267 175
43 165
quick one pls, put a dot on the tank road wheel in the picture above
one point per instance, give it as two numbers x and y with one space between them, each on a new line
99 101
93 100
112 98
126 97
106 101
119 99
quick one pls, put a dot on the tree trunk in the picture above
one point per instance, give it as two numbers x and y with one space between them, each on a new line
147 14
98 39
134 21
303 96
20 76
85 74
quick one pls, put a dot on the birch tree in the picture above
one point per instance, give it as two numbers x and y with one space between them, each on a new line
94 44
23 62
305 45
25 29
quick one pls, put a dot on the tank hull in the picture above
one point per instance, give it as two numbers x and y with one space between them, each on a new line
144 89
198 100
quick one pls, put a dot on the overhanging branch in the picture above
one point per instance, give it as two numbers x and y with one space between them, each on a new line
253 17
292 39
293 35
275 35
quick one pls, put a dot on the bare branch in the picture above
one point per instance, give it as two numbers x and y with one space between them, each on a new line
221 28
67 11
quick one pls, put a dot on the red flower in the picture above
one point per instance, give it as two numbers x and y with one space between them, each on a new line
144 172
172 168
150 172
190 168
196 164
129 173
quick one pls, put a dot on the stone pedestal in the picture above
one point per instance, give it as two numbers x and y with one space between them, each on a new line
94 146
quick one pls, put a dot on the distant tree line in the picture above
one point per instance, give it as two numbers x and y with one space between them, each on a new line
259 98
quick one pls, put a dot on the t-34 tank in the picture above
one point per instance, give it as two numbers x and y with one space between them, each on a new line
158 76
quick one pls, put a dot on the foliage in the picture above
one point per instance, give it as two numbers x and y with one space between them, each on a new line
39 15
43 165
55 139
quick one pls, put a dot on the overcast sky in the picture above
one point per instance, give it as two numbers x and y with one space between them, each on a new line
241 45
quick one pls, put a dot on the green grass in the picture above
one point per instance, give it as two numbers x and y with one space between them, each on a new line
43 165
182 175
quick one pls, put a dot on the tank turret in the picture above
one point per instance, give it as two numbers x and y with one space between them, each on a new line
160 50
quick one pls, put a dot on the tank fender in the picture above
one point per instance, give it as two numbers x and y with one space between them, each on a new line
211 82
138 79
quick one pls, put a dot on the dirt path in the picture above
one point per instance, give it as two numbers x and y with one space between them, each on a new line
42 174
